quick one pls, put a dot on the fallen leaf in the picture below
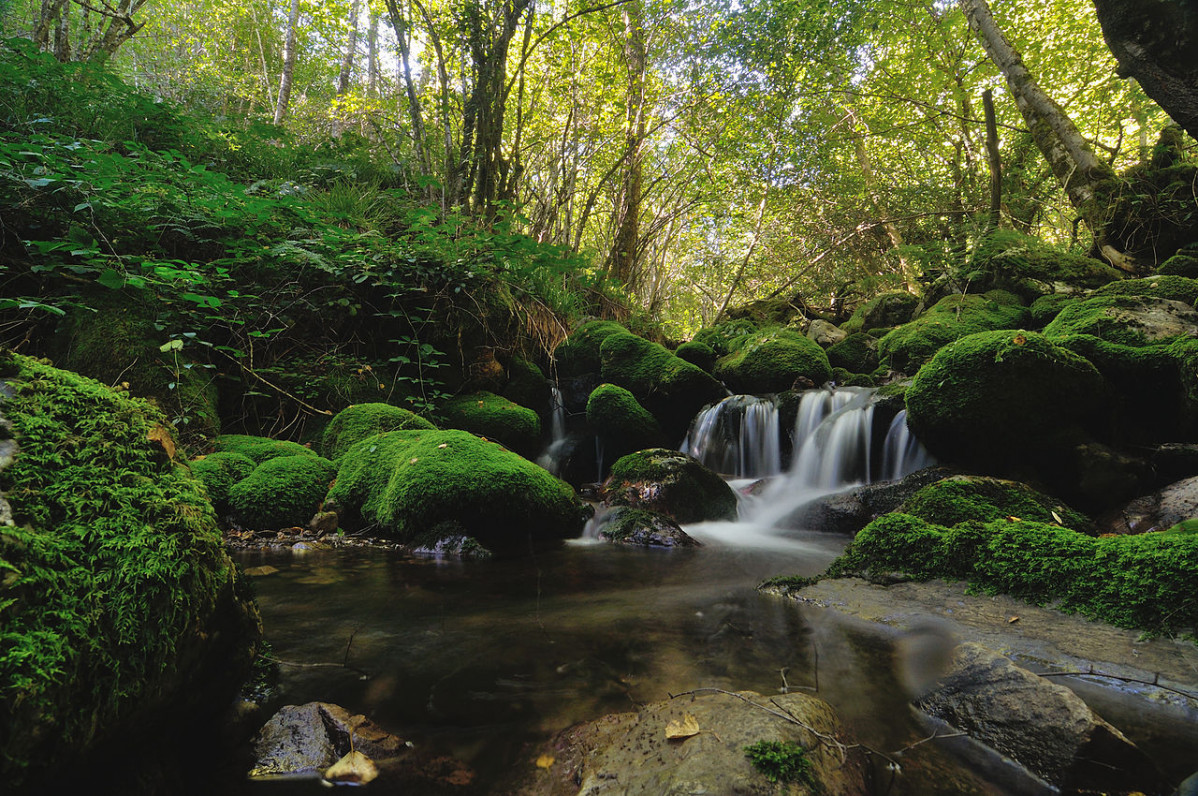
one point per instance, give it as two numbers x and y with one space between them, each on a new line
163 437
1057 517
545 761
354 767
414 460
443 445
685 728
1012 620
1019 339
1014 519
259 572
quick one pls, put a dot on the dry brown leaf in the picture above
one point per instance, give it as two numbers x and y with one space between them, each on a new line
1057 517
1012 620
354 767
686 727
163 437
443 445
546 761
1019 339
1014 519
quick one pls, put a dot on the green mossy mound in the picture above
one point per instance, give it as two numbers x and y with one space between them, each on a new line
776 311
698 354
282 492
724 338
489 415
579 353
961 498
1004 397
406 483
885 310
527 385
120 613
672 483
857 353
1030 268
260 449
672 389
772 361
951 318
219 472
620 422
1176 288
1144 582
355 423
1128 320
1184 263
1045 308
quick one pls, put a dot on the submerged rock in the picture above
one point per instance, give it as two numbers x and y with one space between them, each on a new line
312 737
640 528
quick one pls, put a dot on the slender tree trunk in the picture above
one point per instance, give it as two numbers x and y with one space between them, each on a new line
626 241
372 55
351 50
995 158
289 51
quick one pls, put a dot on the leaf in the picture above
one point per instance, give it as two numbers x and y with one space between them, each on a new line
354 767
546 761
171 345
687 727
111 279
1057 517
163 437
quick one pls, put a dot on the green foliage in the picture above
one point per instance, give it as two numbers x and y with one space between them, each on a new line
494 417
951 318
725 338
219 472
113 568
670 482
408 482
355 423
782 762
771 361
281 492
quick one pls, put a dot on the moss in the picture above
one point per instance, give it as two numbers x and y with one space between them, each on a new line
951 318
857 353
527 385
672 483
1045 308
260 449
724 338
672 389
1129 320
1003 397
1030 268
1176 288
641 528
1184 263
861 380
884 310
776 311
579 354
408 482
355 423
960 498
219 472
782 762
282 492
117 600
488 415
622 423
1144 581
771 361
698 354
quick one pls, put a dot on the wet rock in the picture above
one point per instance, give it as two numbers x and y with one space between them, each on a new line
629 753
312 737
640 528
849 512
1043 726
672 483
323 522
1157 511
825 333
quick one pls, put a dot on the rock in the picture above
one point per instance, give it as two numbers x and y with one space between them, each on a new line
857 353
886 310
825 333
672 483
640 528
355 423
1158 511
578 355
1043 726
973 497
849 512
1129 320
1030 268
353 769
282 492
313 736
219 472
698 354
493 417
620 422
629 753
951 318
772 361
323 522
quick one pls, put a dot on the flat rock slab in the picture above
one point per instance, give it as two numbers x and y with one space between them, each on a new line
629 754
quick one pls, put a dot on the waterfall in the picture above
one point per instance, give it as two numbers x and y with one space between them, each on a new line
739 436
835 450
901 452
552 458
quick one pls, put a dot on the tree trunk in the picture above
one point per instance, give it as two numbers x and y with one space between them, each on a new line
351 50
372 55
626 241
995 158
1069 155
289 50
402 36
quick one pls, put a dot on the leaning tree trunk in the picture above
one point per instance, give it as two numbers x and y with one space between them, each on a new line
625 250
289 48
1069 155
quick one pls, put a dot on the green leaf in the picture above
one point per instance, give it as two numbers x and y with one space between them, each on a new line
111 279
173 345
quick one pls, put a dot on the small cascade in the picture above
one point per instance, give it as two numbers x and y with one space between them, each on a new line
552 458
557 412
836 451
902 453
739 436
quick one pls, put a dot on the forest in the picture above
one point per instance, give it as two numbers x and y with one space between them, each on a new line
516 397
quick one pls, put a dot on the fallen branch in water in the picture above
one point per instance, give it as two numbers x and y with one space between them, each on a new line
1154 682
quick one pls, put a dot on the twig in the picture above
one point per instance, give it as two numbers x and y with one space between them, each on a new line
1155 681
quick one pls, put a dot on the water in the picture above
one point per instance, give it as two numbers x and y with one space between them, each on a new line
739 436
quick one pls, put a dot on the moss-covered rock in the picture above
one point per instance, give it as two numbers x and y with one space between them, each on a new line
282 492
489 415
579 353
861 380
219 472
1002 397
961 498
620 422
698 354
776 311
772 361
672 483
724 338
857 353
355 423
1125 319
527 385
641 528
260 449
408 482
672 389
1143 581
884 310
121 616
1030 268
1044 309
1184 263
1175 288
951 318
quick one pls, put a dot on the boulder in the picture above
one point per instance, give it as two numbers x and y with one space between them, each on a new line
1030 268
727 337
1158 511
633 754
219 472
493 417
885 310
1127 319
825 333
772 361
672 483
309 738
641 528
857 353
283 492
621 422
960 498
1042 725
355 423
260 449
850 511
698 354
579 353
950 319
527 385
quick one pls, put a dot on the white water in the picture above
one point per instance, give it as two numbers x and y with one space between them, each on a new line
552 457
739 436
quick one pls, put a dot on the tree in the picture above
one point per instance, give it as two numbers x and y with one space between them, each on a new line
98 30
288 74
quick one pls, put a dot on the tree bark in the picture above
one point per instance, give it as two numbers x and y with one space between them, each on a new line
283 101
351 50
995 158
626 241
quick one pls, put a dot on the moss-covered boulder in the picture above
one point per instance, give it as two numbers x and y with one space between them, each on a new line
219 472
1175 288
951 318
724 338
121 616
579 353
260 449
1004 397
1143 581
1184 263
620 422
282 492
355 423
669 482
672 389
1129 320
527 385
640 528
698 354
772 361
494 417
1030 268
406 483
884 310
960 498
857 353
1044 309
